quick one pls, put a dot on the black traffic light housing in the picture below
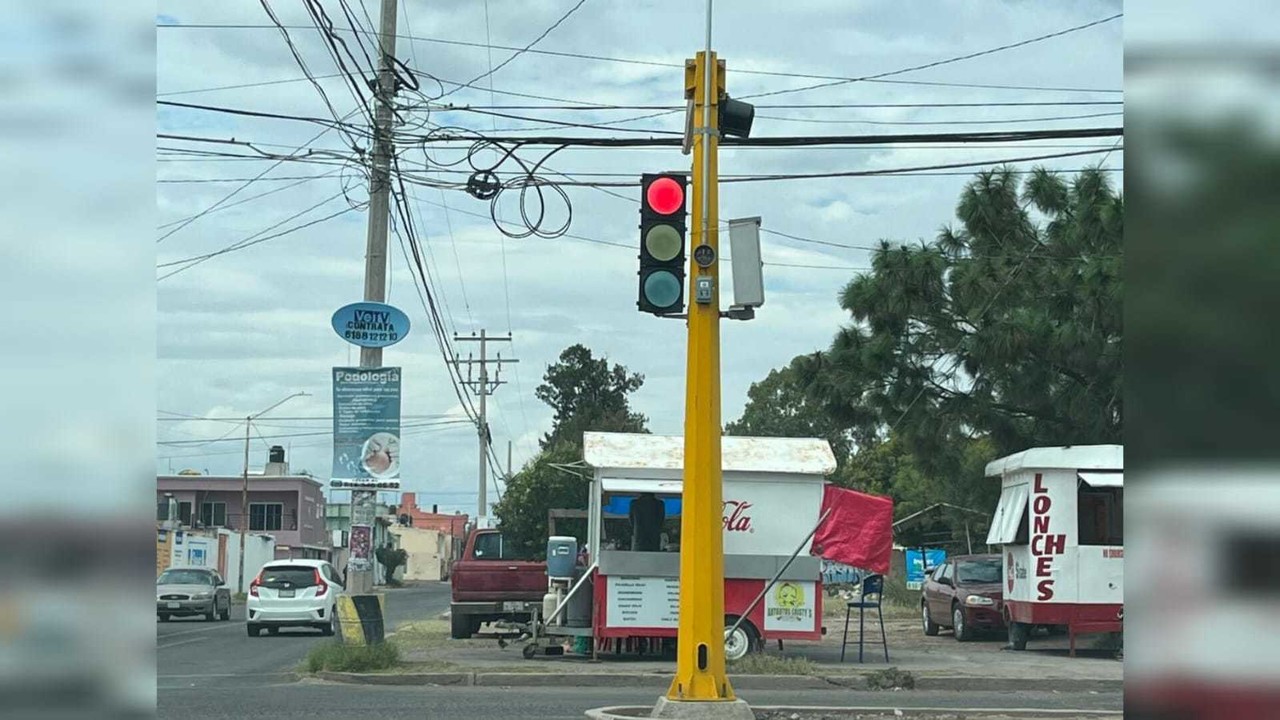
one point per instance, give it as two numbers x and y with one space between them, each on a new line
663 210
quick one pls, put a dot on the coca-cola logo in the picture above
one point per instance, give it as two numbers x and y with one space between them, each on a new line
1010 574
735 516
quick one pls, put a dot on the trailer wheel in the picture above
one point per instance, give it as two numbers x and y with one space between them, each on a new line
1019 633
528 651
745 639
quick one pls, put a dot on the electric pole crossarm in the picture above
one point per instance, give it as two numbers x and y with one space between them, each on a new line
484 387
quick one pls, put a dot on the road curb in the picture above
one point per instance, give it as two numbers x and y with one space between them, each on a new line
741 682
458 678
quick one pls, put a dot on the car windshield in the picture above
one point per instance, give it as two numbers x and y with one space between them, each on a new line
978 571
290 576
184 577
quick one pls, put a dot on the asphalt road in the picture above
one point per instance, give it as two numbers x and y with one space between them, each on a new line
318 701
191 652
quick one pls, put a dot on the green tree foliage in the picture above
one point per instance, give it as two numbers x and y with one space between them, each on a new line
778 406
392 558
536 489
1001 334
1006 327
588 395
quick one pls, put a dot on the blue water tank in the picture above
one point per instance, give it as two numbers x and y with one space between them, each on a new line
562 555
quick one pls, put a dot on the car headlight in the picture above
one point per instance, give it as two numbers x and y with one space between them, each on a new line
978 600
202 596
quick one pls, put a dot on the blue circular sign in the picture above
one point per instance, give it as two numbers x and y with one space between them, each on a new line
370 324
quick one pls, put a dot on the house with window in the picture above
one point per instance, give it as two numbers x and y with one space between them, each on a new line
289 508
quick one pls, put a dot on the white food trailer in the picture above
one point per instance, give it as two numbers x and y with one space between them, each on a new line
1060 522
772 498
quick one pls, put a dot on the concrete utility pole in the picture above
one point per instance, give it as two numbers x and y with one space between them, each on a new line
360 579
375 259
483 387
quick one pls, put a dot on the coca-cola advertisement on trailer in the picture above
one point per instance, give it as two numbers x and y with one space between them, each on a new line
764 518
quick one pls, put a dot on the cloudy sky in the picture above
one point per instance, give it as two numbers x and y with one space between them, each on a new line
244 329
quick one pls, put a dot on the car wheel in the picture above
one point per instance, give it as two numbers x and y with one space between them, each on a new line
164 617
963 633
255 630
226 612
213 612
329 628
1018 635
741 641
930 627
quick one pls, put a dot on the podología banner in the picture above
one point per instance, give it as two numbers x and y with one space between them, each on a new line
366 424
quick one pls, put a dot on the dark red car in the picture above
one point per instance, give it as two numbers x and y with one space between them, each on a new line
964 594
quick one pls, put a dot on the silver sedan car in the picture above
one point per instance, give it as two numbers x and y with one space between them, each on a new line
192 591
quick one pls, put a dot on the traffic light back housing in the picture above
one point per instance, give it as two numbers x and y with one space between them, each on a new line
663 227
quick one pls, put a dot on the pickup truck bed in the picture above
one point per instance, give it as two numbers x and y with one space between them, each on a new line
488 585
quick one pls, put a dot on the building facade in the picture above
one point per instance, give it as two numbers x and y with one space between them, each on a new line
289 508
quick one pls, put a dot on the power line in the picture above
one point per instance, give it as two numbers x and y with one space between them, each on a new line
799 141
938 63
251 198
254 239
1000 121
521 51
675 65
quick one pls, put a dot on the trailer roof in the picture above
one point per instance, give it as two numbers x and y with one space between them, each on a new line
1069 457
803 456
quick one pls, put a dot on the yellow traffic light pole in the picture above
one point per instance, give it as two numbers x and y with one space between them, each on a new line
700 667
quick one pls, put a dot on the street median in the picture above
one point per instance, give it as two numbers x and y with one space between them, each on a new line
851 681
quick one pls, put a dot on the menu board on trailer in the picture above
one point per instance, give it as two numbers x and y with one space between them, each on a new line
643 602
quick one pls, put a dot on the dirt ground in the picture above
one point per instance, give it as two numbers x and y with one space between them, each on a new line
427 645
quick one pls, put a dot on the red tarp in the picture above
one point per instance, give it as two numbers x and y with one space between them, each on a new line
859 530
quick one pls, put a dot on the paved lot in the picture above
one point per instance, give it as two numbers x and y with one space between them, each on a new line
194 653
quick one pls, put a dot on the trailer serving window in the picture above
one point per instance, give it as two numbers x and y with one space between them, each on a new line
1010 524
1100 509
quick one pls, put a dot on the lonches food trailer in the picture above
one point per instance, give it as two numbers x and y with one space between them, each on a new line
1060 522
773 495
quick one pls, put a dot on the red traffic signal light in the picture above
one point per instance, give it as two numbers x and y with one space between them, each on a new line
662 242
665 195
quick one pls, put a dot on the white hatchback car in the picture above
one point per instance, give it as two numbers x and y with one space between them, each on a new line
294 593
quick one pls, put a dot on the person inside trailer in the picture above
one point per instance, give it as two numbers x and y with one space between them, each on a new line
647 516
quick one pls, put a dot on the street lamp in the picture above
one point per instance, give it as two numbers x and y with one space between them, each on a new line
244 490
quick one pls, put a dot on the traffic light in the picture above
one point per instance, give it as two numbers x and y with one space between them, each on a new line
662 238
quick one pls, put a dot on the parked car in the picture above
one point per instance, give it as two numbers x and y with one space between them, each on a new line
964 594
294 593
192 591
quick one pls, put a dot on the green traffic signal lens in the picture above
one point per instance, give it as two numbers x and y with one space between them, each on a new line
662 289
663 243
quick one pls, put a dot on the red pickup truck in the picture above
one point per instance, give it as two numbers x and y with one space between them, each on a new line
489 583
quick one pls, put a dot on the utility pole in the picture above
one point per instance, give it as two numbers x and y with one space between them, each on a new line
375 259
244 504
360 579
243 525
483 387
